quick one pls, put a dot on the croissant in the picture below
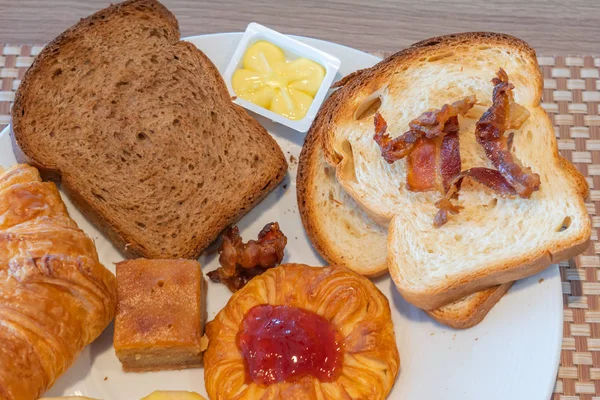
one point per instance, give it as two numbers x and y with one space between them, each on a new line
55 296
335 296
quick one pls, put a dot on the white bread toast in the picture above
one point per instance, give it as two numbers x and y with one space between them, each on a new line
344 235
494 240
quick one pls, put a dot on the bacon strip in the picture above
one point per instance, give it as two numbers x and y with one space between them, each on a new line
433 163
488 177
421 166
450 162
428 125
503 115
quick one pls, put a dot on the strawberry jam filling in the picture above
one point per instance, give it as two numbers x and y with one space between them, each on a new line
280 343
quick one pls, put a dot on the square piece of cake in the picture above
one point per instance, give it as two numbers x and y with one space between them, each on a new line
161 311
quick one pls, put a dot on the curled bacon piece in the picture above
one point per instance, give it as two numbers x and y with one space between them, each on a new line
428 125
503 115
431 123
241 261
488 177
392 149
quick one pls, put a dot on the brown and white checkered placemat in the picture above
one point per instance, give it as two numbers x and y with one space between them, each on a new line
572 98
14 61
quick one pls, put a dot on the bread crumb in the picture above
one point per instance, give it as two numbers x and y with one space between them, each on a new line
432 333
204 342
293 160
541 280
233 98
454 336
476 339
106 378
285 186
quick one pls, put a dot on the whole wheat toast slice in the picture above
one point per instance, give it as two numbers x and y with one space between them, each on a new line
141 129
344 235
494 240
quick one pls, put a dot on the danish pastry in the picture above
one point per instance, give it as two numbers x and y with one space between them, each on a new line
300 332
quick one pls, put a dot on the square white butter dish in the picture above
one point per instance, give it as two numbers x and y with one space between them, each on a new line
292 49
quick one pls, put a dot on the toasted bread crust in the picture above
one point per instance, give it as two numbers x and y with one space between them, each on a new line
470 283
305 187
472 314
340 109
130 242
581 185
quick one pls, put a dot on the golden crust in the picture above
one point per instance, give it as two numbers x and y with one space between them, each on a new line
160 314
357 309
581 185
476 307
55 296
305 187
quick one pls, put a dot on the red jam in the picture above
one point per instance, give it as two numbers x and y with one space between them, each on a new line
280 343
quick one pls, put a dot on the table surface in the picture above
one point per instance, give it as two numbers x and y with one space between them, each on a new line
565 27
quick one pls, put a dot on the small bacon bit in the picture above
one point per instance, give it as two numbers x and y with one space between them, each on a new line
445 206
428 125
241 261
488 177
503 115
431 123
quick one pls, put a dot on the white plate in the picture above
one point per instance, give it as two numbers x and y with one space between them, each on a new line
513 354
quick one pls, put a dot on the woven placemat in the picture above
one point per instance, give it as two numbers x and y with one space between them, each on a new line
572 98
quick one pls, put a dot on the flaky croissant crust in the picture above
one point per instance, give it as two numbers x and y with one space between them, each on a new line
55 296
356 308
